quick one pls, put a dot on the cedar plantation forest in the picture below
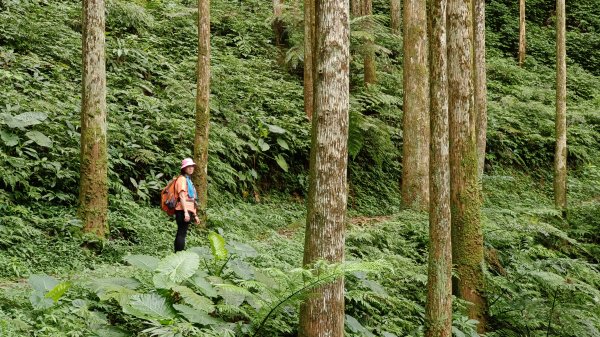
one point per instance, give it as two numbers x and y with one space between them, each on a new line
280 217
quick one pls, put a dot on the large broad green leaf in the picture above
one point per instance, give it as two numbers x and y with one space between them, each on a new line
118 288
194 315
281 162
179 266
24 120
276 129
283 143
58 291
242 269
203 285
241 249
195 300
217 246
203 252
8 138
39 138
146 262
42 283
149 306
39 302
111 332
232 294
356 327
162 281
263 146
125 282
375 287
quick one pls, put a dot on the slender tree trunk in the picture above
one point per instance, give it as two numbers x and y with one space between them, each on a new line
369 65
93 188
365 8
438 308
309 40
278 30
322 315
202 108
467 237
480 82
395 16
278 27
356 8
522 38
415 120
560 156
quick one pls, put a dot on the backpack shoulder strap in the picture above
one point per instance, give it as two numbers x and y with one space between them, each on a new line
175 183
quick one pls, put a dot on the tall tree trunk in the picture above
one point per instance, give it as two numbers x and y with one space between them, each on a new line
322 315
480 82
438 308
278 27
395 16
365 8
202 108
356 7
369 65
93 188
309 41
278 30
415 120
560 156
467 237
522 38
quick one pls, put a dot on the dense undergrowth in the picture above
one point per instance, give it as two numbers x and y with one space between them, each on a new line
543 277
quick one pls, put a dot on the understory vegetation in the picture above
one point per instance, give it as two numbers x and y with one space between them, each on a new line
242 275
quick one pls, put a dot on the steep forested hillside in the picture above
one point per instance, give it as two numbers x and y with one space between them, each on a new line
542 269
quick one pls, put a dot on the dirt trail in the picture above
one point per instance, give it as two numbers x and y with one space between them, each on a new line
360 221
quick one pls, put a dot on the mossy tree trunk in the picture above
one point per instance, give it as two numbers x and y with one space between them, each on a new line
560 155
202 109
438 308
309 41
415 120
522 38
93 188
395 16
480 82
465 200
322 315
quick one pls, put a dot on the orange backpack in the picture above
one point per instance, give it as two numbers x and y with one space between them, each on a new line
169 197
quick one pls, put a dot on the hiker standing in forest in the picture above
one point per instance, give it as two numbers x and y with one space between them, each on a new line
186 204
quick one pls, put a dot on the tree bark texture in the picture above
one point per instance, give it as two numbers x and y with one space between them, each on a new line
278 25
309 40
322 315
395 17
522 37
480 82
93 189
415 120
356 7
369 65
200 176
365 8
465 202
438 308
560 155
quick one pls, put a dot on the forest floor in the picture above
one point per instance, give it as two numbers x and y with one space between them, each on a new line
524 238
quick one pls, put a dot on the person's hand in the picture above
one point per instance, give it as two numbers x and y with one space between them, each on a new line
196 219
186 217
